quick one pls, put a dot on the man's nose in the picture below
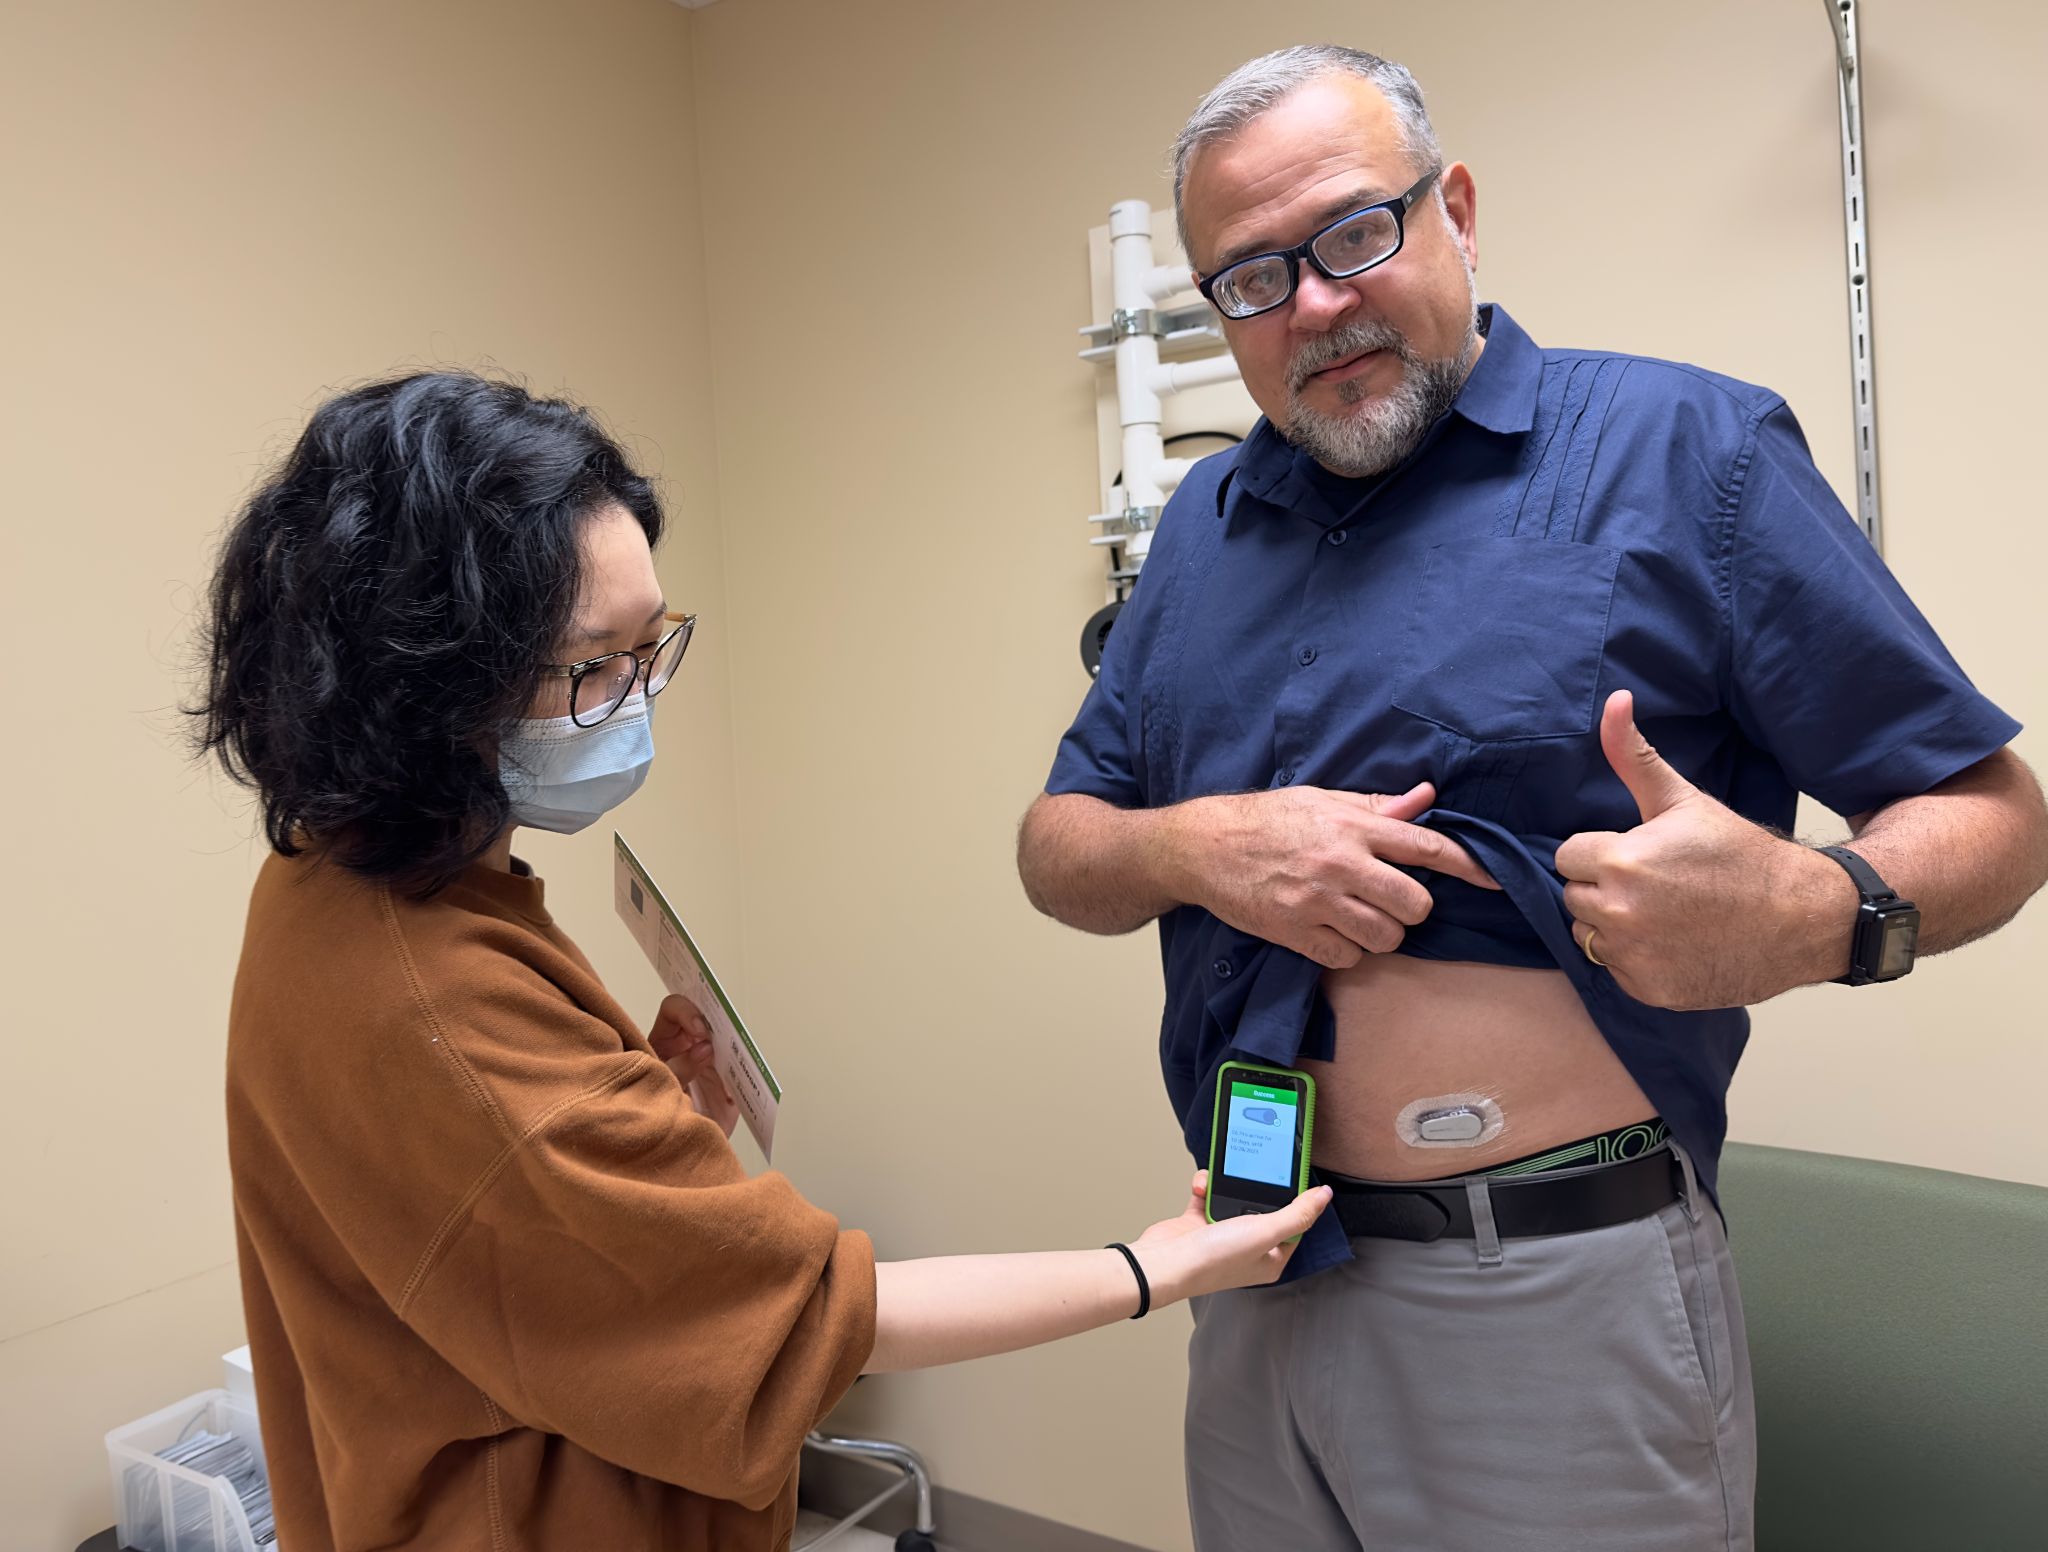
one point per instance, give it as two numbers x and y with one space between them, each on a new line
1320 302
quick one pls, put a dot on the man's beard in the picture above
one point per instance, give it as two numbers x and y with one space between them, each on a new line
1376 435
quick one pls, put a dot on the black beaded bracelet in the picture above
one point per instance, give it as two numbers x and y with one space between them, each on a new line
1137 1271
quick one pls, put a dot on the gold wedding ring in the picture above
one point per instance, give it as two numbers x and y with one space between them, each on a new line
1588 947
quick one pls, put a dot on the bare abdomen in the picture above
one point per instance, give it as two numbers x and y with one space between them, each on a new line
1415 1029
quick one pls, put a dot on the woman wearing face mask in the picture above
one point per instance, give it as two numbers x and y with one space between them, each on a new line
507 1284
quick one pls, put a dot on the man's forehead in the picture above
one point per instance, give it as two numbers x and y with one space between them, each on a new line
1332 137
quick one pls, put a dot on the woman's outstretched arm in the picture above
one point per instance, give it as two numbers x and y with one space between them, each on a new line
950 1308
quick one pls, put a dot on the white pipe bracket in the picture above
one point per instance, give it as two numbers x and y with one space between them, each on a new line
1129 521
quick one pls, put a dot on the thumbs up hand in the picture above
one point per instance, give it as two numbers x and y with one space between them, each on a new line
1655 786
1696 907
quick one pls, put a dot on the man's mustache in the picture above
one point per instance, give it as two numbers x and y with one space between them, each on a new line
1354 339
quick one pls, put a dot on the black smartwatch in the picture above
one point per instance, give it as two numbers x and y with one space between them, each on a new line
1887 928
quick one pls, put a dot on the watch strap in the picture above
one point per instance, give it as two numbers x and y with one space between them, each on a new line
1880 903
1875 891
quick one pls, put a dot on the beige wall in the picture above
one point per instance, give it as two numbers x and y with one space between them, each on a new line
215 212
905 188
228 206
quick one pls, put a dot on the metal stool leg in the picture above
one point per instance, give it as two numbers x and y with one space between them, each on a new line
888 1453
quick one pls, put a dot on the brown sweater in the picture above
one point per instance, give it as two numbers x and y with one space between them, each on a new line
505 1288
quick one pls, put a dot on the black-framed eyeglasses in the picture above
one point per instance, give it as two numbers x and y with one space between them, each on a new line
598 686
1349 245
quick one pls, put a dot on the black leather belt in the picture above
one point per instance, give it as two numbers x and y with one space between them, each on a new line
1524 1207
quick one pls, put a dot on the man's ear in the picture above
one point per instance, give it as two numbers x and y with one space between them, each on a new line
1461 203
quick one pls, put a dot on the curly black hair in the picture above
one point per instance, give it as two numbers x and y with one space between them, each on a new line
382 609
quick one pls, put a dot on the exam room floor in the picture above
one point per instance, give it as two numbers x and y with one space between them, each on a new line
809 1525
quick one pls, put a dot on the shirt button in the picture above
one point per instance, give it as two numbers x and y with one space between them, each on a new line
1306 656
1338 535
1224 969
1286 775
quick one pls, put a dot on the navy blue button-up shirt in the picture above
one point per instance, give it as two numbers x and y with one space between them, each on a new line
1577 523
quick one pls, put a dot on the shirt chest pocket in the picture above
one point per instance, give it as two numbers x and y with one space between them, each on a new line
1505 638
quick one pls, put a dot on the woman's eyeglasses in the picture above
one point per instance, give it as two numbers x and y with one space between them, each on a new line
599 686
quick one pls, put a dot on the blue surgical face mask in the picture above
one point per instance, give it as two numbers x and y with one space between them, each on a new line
562 777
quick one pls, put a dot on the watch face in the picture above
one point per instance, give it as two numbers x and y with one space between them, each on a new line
1895 951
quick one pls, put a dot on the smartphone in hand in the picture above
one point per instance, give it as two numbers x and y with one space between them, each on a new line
1260 1139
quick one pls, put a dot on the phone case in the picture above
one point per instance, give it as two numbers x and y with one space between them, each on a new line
1308 1120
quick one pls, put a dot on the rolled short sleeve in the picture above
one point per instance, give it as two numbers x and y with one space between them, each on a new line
1101 755
1835 672
1095 756
1104 754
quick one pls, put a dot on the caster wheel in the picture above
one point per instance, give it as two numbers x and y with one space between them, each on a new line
1095 635
915 1541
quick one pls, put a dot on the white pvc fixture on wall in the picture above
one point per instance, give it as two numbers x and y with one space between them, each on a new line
1137 361
1137 287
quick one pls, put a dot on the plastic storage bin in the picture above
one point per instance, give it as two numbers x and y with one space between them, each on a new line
163 1507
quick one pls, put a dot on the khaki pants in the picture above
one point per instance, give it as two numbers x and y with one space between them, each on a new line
1588 1394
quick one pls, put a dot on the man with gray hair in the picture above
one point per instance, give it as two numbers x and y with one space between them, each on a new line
1365 744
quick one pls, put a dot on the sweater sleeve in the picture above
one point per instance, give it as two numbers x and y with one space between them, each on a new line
616 1277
